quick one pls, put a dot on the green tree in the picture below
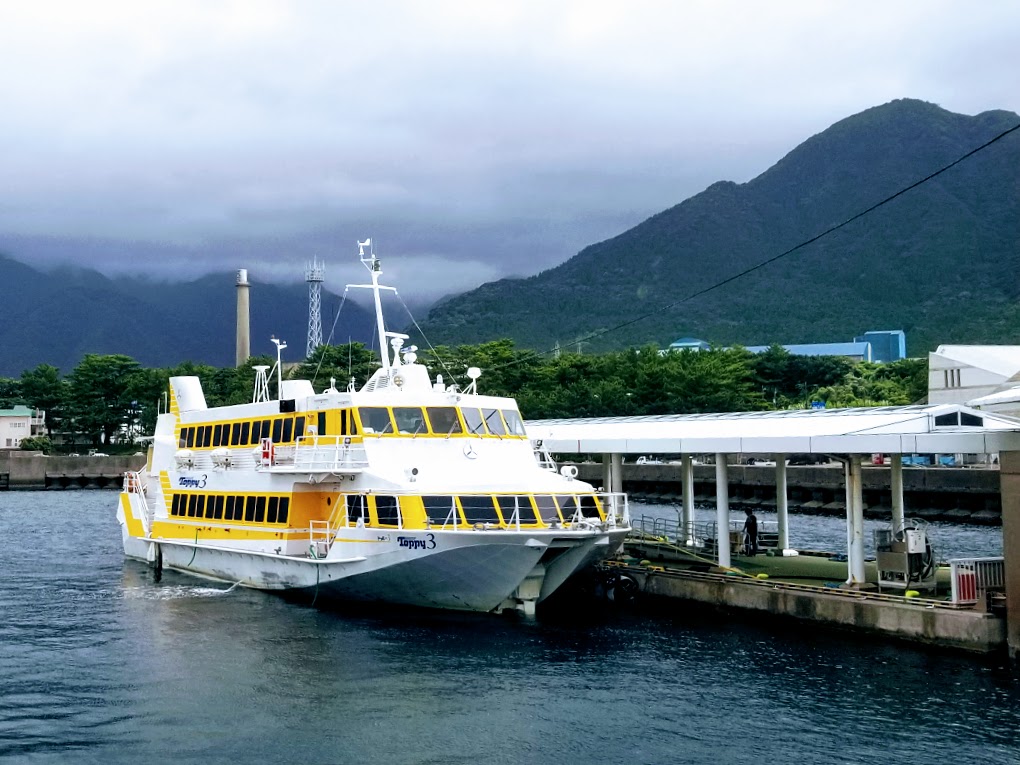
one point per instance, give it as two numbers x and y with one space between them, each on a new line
45 389
10 392
98 398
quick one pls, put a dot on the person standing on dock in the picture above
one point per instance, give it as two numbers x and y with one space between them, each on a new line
750 533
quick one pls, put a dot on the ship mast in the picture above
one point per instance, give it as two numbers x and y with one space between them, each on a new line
375 268
371 262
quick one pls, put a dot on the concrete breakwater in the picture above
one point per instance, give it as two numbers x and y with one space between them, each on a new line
30 470
960 495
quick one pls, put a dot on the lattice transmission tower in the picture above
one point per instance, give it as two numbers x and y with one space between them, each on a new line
314 275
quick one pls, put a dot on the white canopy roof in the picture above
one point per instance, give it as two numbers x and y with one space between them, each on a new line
885 430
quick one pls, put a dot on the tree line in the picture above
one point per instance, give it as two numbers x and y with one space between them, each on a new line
108 400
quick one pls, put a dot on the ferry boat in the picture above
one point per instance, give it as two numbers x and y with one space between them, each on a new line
408 491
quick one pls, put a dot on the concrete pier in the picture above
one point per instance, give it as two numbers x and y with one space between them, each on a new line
884 615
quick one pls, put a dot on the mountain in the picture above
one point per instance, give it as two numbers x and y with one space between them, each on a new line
940 261
56 318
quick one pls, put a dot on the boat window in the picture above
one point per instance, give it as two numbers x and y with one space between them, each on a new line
568 507
256 431
322 423
235 434
299 428
444 420
479 509
244 434
217 438
288 430
273 509
182 442
266 426
352 424
521 505
228 513
376 419
590 508
207 435
410 420
284 510
514 423
192 504
277 430
249 509
357 507
494 422
546 508
439 509
260 509
175 505
386 511
200 507
473 420
218 507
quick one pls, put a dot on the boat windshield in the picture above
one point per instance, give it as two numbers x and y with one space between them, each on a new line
514 424
473 420
444 420
376 419
547 508
410 420
494 422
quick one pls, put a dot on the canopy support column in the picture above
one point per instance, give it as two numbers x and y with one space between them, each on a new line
687 517
854 522
722 511
782 505
896 488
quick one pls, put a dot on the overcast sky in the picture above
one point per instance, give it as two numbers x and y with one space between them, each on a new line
471 140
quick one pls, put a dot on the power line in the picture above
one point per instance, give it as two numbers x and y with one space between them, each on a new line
780 256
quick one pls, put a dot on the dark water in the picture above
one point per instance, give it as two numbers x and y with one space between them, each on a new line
99 664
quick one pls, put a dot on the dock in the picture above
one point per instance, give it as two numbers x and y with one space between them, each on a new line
982 611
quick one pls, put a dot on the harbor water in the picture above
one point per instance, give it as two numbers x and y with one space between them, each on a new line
102 664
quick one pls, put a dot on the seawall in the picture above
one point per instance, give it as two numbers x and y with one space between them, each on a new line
31 470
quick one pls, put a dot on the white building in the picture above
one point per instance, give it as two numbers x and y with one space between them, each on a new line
15 425
962 374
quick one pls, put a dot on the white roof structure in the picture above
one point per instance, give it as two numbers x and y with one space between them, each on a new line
1002 360
942 429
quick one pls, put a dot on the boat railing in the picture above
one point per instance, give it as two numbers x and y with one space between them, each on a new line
324 453
616 506
542 456
135 488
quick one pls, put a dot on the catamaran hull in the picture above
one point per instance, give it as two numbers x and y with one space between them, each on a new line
468 572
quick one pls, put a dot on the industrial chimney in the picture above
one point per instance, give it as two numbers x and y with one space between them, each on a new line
243 328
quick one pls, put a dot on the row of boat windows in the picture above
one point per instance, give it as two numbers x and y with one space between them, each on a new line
469 509
250 509
440 421
385 510
281 430
375 420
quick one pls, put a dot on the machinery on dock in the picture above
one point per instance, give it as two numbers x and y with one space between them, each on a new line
906 560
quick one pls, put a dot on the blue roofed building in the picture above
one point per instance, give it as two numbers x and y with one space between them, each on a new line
886 345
